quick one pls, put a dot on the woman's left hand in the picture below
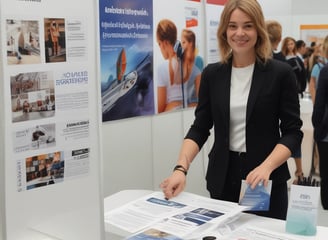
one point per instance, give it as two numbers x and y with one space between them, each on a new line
258 176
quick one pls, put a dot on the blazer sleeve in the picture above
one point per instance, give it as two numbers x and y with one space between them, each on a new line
320 108
203 122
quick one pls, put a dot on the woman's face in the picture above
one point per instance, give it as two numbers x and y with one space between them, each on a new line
290 46
241 33
184 43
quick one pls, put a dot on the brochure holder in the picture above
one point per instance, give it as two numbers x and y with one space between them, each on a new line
303 210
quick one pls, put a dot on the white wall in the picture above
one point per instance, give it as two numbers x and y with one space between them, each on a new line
140 152
2 156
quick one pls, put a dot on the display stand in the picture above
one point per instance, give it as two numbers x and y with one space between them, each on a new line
50 125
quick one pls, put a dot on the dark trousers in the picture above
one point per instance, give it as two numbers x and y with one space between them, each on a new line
323 167
236 172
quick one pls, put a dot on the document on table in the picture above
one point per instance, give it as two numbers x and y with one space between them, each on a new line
180 216
253 233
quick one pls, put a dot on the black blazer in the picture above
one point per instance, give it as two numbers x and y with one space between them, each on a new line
320 108
272 116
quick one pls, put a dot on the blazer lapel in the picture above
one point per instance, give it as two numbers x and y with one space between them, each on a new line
224 93
258 81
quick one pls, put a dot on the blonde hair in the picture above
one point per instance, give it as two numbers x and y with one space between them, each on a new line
274 30
254 11
325 47
284 46
189 54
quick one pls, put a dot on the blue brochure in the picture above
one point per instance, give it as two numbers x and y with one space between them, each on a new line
257 199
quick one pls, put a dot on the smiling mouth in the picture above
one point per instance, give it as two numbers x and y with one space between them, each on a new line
240 41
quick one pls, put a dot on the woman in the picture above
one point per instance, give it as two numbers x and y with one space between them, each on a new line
252 102
54 32
169 92
322 59
191 73
288 47
289 51
320 124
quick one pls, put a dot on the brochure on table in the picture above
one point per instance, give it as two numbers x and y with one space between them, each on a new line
191 216
50 120
187 214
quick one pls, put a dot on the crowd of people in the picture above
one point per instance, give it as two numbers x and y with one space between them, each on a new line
251 98
307 63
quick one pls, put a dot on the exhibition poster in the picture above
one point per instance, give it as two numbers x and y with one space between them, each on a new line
144 70
178 54
50 107
45 103
126 58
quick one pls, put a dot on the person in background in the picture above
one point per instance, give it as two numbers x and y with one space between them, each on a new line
320 124
300 49
54 32
16 44
288 47
319 63
307 57
191 73
169 94
274 30
320 60
252 103
315 52
302 53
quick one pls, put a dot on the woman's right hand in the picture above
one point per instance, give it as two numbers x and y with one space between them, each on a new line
174 184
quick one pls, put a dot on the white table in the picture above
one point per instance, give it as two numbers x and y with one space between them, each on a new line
274 225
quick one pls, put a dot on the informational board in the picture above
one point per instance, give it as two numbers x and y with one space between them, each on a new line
50 105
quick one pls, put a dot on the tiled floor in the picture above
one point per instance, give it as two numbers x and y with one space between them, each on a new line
322 217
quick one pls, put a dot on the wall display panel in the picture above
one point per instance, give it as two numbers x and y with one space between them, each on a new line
140 75
178 53
126 58
313 33
127 161
50 165
213 12
2 163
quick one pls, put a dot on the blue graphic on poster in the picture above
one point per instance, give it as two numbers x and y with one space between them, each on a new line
126 58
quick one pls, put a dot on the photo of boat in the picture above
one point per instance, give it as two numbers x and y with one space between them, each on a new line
125 94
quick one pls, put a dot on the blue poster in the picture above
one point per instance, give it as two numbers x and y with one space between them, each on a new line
126 58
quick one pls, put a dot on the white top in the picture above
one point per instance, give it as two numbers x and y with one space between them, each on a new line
174 91
241 79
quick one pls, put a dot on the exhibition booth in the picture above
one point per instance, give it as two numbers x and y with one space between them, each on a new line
80 131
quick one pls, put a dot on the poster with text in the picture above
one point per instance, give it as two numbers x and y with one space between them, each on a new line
178 53
126 58
50 151
213 12
47 79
